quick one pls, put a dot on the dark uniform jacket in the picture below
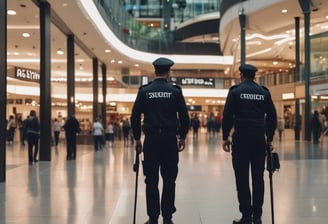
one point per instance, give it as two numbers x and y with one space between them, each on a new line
72 126
250 110
163 107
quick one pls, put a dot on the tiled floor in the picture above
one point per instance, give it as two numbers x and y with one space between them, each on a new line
98 188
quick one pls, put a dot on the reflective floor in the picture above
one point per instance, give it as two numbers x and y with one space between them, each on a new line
99 186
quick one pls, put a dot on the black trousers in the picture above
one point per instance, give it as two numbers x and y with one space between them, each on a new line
33 141
56 135
249 152
71 146
160 156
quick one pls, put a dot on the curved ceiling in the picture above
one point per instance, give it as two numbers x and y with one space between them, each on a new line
270 31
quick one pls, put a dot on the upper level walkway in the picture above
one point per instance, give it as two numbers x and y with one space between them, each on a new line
99 186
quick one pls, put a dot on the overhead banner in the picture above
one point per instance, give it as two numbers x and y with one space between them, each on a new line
199 82
27 74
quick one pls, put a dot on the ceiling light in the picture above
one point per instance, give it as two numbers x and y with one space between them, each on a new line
120 62
60 51
136 65
107 51
284 11
11 12
112 61
275 62
26 35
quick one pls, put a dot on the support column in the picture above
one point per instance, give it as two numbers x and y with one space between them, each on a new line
45 87
104 93
167 10
305 5
70 75
297 127
3 87
297 50
95 88
242 21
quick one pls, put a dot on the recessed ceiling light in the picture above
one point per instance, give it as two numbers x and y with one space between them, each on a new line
107 51
136 65
11 12
60 51
120 62
26 35
112 61
284 11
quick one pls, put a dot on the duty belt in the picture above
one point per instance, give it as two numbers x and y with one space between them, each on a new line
158 130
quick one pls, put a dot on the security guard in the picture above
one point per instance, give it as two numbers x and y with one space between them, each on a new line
250 111
165 116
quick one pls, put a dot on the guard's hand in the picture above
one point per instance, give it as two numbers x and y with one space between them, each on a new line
181 145
269 146
226 145
138 146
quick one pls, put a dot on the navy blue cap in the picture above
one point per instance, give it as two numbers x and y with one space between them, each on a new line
162 64
247 69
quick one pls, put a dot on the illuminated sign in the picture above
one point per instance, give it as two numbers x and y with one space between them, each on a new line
27 74
287 96
203 82
194 108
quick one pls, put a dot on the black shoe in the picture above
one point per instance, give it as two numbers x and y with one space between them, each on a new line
167 221
257 220
243 220
35 160
151 221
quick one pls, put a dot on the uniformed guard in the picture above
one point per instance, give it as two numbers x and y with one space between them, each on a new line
165 116
250 111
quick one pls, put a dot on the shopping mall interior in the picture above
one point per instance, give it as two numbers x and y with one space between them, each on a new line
89 57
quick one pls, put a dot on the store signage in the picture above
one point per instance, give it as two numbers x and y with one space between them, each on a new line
194 107
202 82
288 96
111 107
27 74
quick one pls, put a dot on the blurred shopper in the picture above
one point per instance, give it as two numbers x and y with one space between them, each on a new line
98 131
126 131
109 136
20 125
195 123
11 126
71 127
316 127
33 135
250 111
56 128
280 127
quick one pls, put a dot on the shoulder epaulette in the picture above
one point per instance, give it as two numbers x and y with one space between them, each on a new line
145 85
176 86
234 86
265 88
